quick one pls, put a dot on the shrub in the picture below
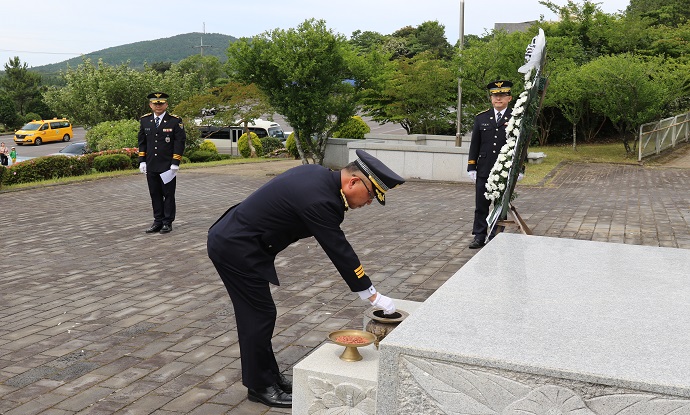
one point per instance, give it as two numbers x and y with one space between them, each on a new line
292 146
112 162
45 168
131 153
208 146
200 156
355 127
270 144
113 135
30 116
243 145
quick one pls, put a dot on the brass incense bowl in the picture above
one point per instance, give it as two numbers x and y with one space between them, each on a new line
351 354
381 324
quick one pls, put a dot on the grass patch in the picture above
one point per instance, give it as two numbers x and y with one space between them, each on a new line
585 153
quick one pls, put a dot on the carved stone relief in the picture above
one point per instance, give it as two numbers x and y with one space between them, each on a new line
343 398
438 388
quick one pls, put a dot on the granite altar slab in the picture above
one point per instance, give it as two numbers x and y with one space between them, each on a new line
538 325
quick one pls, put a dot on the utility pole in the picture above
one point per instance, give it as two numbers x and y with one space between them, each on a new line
202 46
458 134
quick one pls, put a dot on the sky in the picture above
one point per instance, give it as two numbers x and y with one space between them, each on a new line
53 31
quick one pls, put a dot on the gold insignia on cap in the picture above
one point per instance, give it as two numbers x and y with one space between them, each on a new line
159 95
499 84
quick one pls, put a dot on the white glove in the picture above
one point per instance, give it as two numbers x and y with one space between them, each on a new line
174 167
473 175
142 167
384 303
520 176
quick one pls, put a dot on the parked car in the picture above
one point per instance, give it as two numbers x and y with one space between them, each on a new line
43 131
73 149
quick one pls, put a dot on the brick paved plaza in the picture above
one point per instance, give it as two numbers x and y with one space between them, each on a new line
97 317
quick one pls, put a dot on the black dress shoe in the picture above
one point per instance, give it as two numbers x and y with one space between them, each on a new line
271 396
154 228
284 383
476 244
166 228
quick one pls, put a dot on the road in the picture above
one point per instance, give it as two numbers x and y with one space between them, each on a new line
31 151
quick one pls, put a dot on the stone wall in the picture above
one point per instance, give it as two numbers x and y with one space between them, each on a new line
422 157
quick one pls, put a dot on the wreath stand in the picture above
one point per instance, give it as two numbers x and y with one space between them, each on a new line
515 221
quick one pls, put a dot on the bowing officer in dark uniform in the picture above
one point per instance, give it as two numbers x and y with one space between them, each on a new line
161 144
308 200
488 136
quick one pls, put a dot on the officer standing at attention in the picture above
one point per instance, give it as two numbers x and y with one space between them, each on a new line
488 136
161 144
308 200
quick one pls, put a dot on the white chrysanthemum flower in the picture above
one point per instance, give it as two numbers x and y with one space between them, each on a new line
505 148
508 164
501 158
528 85
511 152
518 111
501 187
504 174
496 195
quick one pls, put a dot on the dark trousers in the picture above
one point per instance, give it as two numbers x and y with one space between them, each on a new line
162 198
255 314
4 160
481 209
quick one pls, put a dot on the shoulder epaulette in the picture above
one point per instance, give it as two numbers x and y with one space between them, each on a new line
486 110
176 116
146 115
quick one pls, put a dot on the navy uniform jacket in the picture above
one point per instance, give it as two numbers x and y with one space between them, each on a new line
487 140
161 147
304 201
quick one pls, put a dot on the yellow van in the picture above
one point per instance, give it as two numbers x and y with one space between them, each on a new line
44 131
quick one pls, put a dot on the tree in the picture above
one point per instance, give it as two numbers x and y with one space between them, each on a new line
626 89
568 92
495 56
205 70
304 73
8 112
418 96
660 12
101 92
234 103
20 85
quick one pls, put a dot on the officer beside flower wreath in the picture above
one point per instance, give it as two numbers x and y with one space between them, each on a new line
488 137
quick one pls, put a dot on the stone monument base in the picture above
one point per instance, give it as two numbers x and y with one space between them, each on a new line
537 325
321 381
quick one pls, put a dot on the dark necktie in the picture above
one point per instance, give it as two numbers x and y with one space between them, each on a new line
499 117
158 121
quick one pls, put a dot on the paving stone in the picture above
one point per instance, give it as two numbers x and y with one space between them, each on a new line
149 309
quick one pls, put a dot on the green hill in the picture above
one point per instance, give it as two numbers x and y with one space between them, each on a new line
171 49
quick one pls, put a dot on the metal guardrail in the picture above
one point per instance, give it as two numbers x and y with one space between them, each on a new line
658 136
